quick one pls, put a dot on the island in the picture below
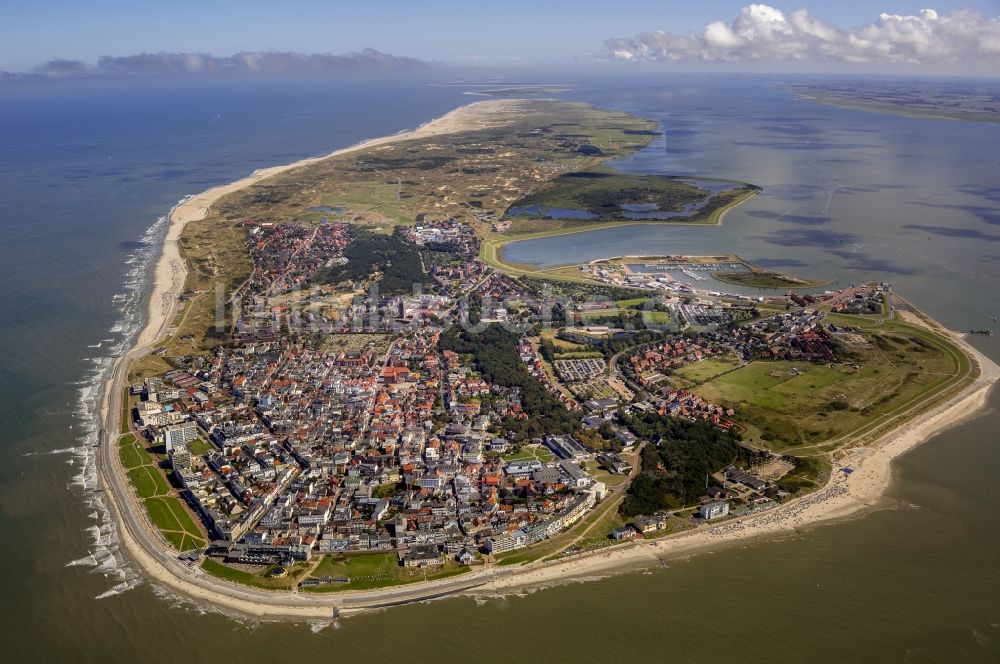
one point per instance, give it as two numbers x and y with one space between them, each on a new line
968 101
345 400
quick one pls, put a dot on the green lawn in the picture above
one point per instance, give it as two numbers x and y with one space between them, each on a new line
258 579
785 411
331 565
785 393
372 564
654 317
199 447
148 481
126 415
169 516
177 540
367 571
132 456
527 453
165 511
698 372
599 312
634 302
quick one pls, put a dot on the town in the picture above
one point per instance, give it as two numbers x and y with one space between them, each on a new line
342 414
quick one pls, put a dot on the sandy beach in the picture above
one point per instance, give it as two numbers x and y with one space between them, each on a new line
842 496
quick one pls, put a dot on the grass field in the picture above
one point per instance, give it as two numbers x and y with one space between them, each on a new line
170 517
165 511
131 456
131 453
126 414
199 446
148 481
256 579
636 302
696 373
375 570
654 317
527 453
562 345
141 466
820 404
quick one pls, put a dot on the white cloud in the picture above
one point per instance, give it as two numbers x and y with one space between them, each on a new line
761 32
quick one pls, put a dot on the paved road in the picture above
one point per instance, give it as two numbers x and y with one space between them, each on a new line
613 365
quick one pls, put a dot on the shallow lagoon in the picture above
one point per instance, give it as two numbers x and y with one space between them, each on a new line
847 195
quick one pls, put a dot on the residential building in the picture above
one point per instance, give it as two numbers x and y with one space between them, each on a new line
711 511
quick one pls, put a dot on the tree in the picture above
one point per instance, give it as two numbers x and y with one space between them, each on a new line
495 355
673 471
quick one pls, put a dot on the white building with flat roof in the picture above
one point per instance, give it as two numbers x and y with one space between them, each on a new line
506 542
710 511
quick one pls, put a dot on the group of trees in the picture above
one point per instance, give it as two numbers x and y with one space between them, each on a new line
670 195
495 355
394 258
579 291
674 470
609 346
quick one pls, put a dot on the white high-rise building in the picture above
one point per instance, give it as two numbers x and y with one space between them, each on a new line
179 434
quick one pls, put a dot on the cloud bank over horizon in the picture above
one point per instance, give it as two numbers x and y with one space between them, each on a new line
761 33
249 62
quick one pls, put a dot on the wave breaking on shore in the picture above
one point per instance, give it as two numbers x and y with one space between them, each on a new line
104 556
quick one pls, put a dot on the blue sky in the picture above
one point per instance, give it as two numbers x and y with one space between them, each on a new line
501 31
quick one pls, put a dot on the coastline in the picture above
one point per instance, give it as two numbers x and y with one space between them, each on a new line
843 495
170 271
169 274
893 109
